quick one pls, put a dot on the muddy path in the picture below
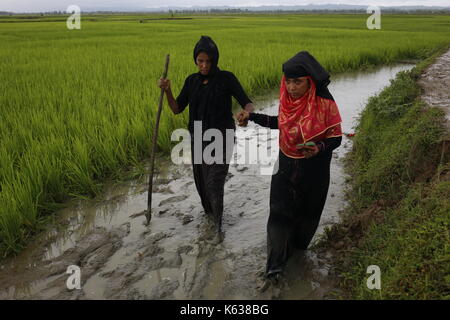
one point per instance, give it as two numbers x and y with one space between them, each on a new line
177 255
435 82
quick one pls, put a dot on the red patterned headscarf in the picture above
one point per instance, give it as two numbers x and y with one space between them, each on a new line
308 118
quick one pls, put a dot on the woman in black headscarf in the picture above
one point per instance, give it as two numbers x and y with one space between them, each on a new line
310 129
208 93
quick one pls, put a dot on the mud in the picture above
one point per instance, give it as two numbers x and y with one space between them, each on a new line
435 82
179 256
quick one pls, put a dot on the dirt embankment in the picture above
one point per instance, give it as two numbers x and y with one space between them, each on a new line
348 236
435 82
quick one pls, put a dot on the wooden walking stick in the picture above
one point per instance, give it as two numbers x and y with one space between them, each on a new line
148 213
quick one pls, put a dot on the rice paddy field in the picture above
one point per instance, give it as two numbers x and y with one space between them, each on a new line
78 106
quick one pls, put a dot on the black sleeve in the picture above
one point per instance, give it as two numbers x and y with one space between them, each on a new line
329 144
183 97
236 90
264 120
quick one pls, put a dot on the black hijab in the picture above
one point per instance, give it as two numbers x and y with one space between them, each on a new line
207 45
203 97
304 64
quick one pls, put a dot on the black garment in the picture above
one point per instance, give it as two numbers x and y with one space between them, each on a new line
303 61
210 181
297 72
264 120
211 103
297 196
298 192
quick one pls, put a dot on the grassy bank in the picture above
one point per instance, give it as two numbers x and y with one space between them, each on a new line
78 105
399 211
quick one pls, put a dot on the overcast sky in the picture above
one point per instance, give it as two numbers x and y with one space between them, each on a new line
49 5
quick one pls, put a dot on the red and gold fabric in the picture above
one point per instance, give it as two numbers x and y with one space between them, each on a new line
308 118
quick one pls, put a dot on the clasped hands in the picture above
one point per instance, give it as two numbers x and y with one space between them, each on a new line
242 118
243 115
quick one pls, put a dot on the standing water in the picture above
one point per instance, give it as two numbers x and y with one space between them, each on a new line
175 257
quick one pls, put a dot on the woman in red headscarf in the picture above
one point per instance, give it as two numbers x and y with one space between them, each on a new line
310 129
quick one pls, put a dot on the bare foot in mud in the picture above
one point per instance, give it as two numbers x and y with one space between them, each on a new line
261 281
217 239
272 287
210 232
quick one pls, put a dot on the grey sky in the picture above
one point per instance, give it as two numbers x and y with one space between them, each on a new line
48 5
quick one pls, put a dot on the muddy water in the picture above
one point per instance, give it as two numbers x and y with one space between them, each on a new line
177 255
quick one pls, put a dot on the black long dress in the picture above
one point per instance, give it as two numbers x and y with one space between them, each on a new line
211 103
298 192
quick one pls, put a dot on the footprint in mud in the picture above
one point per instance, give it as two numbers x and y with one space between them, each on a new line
230 220
161 182
187 219
162 211
158 187
164 190
271 288
187 184
177 175
139 214
184 218
229 176
172 200
90 253
123 280
164 290
208 234
185 249
241 168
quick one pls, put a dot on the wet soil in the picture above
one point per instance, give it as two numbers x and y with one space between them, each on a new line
178 256
435 82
